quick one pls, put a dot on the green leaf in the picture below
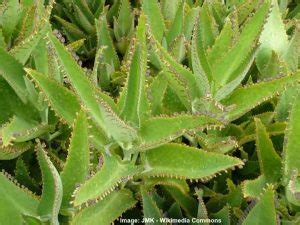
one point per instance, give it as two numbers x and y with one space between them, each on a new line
124 23
12 71
22 51
27 22
104 39
189 21
6 22
253 188
291 55
178 87
41 58
23 175
76 167
186 202
177 25
264 211
273 129
57 96
2 40
183 73
180 161
157 91
291 156
179 184
83 20
73 31
225 71
207 28
273 38
20 129
11 152
178 48
150 209
111 174
245 8
223 215
107 210
199 69
31 220
133 102
159 130
12 105
284 103
169 9
105 117
202 211
15 201
222 44
269 160
154 18
198 52
52 188
256 94
84 7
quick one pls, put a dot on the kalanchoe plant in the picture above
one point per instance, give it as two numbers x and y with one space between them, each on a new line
166 110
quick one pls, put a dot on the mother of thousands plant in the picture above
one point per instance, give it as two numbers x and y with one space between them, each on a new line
182 110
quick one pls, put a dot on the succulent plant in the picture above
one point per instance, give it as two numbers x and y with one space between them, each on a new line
149 112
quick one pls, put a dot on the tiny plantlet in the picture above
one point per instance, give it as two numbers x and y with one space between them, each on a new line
149 112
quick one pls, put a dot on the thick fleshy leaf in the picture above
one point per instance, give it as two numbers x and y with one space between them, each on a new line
52 188
109 56
12 105
150 208
222 43
189 20
7 23
13 73
111 174
172 127
76 167
133 102
107 210
154 18
225 71
105 117
256 94
253 188
157 91
180 161
177 25
269 160
23 175
57 95
124 23
11 152
185 200
291 154
15 201
20 129
272 39
23 51
207 28
179 184
200 70
180 71
264 211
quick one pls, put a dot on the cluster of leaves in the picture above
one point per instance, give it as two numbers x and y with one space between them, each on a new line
179 109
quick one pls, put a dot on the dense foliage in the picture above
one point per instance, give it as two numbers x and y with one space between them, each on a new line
177 109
